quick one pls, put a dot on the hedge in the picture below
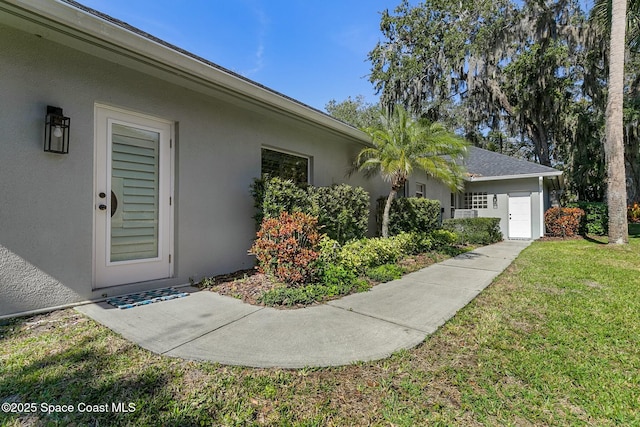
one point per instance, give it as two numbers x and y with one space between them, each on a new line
273 196
596 217
475 231
563 222
342 210
410 215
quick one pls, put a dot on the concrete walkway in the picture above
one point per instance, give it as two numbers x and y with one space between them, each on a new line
360 327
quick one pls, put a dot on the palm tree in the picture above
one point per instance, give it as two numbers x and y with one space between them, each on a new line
601 15
614 131
402 144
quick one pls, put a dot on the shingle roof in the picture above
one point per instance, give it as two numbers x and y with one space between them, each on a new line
482 163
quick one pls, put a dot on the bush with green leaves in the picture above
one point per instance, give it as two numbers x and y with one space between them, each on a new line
342 211
338 266
274 196
442 238
337 275
304 295
362 254
475 231
329 251
335 281
411 215
384 273
596 217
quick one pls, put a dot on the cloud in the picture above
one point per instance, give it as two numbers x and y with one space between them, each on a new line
262 25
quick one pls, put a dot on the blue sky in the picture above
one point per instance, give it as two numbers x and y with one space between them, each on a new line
311 50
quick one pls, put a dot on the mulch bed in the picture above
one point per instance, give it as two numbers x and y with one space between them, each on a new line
249 285
246 285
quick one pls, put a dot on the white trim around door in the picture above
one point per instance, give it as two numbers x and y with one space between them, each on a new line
133 192
520 215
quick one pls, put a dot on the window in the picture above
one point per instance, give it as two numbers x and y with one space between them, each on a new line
420 189
475 200
285 166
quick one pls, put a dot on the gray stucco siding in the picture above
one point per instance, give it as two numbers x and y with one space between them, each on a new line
46 219
502 188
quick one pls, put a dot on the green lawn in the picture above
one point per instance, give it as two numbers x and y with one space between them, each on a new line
554 341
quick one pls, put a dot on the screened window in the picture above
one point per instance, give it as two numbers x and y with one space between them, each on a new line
420 189
285 166
475 200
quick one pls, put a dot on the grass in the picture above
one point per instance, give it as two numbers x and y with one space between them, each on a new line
554 341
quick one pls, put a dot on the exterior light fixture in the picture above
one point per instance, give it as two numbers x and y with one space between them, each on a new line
56 131
495 201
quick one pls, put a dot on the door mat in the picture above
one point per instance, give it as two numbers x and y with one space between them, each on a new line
148 297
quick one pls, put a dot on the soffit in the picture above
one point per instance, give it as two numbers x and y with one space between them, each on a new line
76 28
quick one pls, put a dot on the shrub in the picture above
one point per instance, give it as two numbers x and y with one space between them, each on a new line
304 295
413 243
442 238
274 196
364 253
633 213
563 222
287 248
410 214
334 274
475 231
342 211
384 273
329 251
336 281
423 243
595 219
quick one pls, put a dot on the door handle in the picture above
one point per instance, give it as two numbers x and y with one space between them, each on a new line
102 207
114 203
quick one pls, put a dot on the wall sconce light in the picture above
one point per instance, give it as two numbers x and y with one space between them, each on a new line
56 131
495 201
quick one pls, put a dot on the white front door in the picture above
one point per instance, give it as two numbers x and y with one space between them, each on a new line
520 216
132 198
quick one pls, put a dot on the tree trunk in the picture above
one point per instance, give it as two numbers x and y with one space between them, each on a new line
387 210
614 142
539 137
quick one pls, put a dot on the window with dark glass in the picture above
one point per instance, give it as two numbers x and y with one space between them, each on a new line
285 166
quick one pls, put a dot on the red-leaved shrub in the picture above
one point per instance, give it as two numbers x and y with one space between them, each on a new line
563 222
287 248
633 213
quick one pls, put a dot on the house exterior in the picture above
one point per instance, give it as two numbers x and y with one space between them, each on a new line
514 190
162 148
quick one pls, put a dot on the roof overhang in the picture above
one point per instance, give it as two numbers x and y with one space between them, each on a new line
551 174
76 28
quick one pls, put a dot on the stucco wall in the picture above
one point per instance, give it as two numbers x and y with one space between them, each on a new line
434 190
502 188
46 216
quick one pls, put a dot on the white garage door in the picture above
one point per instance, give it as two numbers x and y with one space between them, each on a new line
520 216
